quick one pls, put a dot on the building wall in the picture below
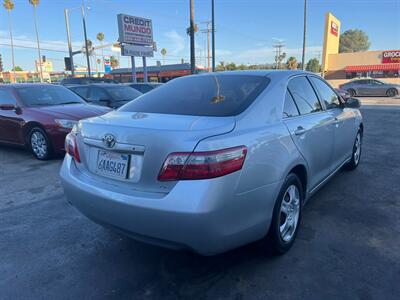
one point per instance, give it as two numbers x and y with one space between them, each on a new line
341 60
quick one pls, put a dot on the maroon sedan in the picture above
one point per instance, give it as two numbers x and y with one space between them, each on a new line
39 116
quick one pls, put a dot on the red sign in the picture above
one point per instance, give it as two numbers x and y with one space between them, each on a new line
391 56
334 28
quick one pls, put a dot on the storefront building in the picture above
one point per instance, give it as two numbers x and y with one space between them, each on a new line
339 68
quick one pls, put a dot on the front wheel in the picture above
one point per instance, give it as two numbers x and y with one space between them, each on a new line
39 144
391 93
356 155
287 215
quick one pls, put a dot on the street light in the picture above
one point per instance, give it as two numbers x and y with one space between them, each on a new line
213 35
85 34
66 12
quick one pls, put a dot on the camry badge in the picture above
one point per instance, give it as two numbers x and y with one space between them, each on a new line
109 140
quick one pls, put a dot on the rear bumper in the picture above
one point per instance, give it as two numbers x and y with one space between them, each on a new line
204 215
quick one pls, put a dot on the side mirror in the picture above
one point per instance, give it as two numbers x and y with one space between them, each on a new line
7 107
352 103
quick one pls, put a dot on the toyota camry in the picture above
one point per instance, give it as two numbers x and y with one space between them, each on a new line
214 161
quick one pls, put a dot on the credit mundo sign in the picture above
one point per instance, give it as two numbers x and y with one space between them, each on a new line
135 30
391 56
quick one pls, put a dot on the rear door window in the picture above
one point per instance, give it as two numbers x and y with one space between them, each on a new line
202 95
304 95
289 108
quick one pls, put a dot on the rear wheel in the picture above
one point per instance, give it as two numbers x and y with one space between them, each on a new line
39 144
351 92
287 215
356 155
391 93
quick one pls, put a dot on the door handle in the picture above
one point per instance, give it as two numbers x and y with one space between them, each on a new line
300 130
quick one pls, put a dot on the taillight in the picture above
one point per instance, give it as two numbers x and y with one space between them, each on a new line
202 165
71 147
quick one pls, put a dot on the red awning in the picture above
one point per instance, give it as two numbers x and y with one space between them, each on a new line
366 68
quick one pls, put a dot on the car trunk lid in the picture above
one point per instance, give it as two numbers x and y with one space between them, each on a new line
148 139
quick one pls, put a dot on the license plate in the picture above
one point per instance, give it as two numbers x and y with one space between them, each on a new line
114 165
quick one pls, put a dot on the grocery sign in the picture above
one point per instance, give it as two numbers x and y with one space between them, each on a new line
135 30
391 56
334 28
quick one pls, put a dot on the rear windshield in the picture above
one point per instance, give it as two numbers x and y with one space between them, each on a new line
47 95
122 93
204 95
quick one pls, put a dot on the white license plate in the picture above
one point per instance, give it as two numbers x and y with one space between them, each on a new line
114 165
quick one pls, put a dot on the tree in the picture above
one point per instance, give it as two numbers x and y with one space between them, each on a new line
114 62
9 6
231 66
100 38
35 3
353 41
163 53
221 66
291 63
313 65
279 59
17 68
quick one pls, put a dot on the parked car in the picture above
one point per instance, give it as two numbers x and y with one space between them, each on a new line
39 116
144 87
86 80
105 94
370 87
214 161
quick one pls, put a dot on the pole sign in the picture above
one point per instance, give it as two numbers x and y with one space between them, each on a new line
135 30
107 65
392 56
136 50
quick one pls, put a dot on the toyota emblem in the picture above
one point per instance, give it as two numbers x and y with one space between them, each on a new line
109 140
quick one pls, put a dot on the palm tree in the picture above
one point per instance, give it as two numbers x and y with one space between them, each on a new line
35 3
9 6
291 63
100 38
114 62
163 53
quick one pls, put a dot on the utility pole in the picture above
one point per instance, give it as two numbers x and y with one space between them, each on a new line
208 31
278 46
192 46
213 35
69 42
85 34
304 35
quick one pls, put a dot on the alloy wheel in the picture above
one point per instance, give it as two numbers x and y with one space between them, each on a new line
39 144
357 149
289 213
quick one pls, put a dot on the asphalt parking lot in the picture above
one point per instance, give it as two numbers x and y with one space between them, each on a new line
348 245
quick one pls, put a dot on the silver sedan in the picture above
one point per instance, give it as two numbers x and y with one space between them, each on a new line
370 87
215 161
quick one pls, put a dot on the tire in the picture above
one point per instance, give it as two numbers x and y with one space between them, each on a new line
39 144
356 155
391 93
277 239
351 92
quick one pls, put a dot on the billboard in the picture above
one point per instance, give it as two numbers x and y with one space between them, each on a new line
331 39
391 56
107 64
135 30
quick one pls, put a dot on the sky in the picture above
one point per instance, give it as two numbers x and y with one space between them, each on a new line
245 29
